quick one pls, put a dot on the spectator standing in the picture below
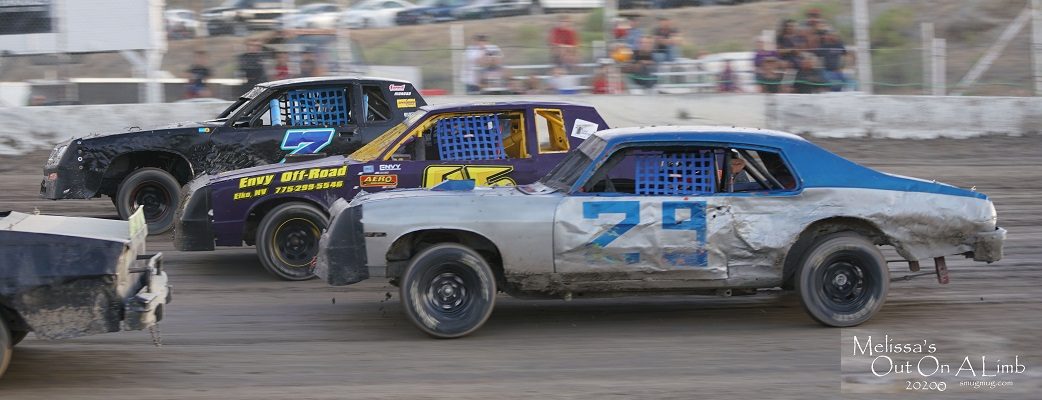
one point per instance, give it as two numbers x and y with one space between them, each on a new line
642 68
667 40
789 42
564 42
251 65
831 50
281 69
494 77
621 28
478 58
727 82
198 73
808 77
635 33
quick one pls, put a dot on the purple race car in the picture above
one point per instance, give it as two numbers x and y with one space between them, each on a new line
283 208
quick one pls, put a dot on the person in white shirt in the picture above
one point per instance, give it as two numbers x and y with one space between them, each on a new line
479 59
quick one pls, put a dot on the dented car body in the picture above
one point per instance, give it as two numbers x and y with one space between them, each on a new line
675 209
272 121
495 144
64 277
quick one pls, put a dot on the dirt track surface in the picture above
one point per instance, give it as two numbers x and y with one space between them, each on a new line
234 332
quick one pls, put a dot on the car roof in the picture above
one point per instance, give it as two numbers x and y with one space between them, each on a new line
702 133
327 79
498 105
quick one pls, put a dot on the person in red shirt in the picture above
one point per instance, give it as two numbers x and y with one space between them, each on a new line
564 42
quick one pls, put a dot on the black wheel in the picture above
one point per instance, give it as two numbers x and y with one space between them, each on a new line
448 291
156 190
6 346
287 240
842 280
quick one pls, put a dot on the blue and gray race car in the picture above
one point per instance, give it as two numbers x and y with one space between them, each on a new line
660 210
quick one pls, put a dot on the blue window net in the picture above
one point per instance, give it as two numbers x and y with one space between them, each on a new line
470 137
675 174
316 107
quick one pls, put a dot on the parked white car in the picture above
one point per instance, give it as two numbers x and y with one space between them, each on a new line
314 16
182 24
373 13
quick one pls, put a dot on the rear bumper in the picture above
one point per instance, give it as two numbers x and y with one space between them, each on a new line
145 308
341 258
193 225
988 246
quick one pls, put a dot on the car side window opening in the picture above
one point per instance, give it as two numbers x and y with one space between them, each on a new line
549 125
689 170
466 137
328 106
375 104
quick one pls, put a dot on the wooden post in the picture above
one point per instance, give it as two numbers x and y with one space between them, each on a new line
927 36
939 61
864 46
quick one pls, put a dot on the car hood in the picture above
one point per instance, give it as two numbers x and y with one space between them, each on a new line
134 130
279 167
501 191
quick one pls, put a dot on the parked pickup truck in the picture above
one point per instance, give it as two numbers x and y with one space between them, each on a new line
272 121
63 277
284 208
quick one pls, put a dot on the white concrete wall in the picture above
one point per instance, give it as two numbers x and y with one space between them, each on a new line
824 115
904 117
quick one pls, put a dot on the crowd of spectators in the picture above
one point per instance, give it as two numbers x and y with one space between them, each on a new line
809 57
640 52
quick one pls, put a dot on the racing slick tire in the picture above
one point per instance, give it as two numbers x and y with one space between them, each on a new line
842 280
448 291
6 346
287 240
156 190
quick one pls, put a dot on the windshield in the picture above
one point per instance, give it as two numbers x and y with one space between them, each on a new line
563 176
378 146
240 103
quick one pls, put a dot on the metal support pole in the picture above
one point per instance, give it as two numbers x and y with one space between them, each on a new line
939 61
927 35
864 45
1036 43
457 46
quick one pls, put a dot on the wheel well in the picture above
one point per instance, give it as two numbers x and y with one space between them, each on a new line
405 247
14 321
257 213
123 165
824 227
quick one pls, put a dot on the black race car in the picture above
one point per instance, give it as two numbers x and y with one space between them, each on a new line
273 122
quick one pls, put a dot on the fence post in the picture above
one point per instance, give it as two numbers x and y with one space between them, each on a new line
939 61
456 44
1036 43
864 46
927 36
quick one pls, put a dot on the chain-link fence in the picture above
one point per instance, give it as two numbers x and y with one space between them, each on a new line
213 46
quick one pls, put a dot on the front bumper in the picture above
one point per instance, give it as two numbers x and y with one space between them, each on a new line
145 308
193 225
988 246
341 258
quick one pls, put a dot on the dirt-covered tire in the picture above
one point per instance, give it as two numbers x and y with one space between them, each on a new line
287 240
156 190
842 279
6 346
448 291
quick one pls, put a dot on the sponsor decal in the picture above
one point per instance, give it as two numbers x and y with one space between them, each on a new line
313 174
396 88
483 175
385 181
583 129
367 169
261 180
401 94
407 103
391 167
204 130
